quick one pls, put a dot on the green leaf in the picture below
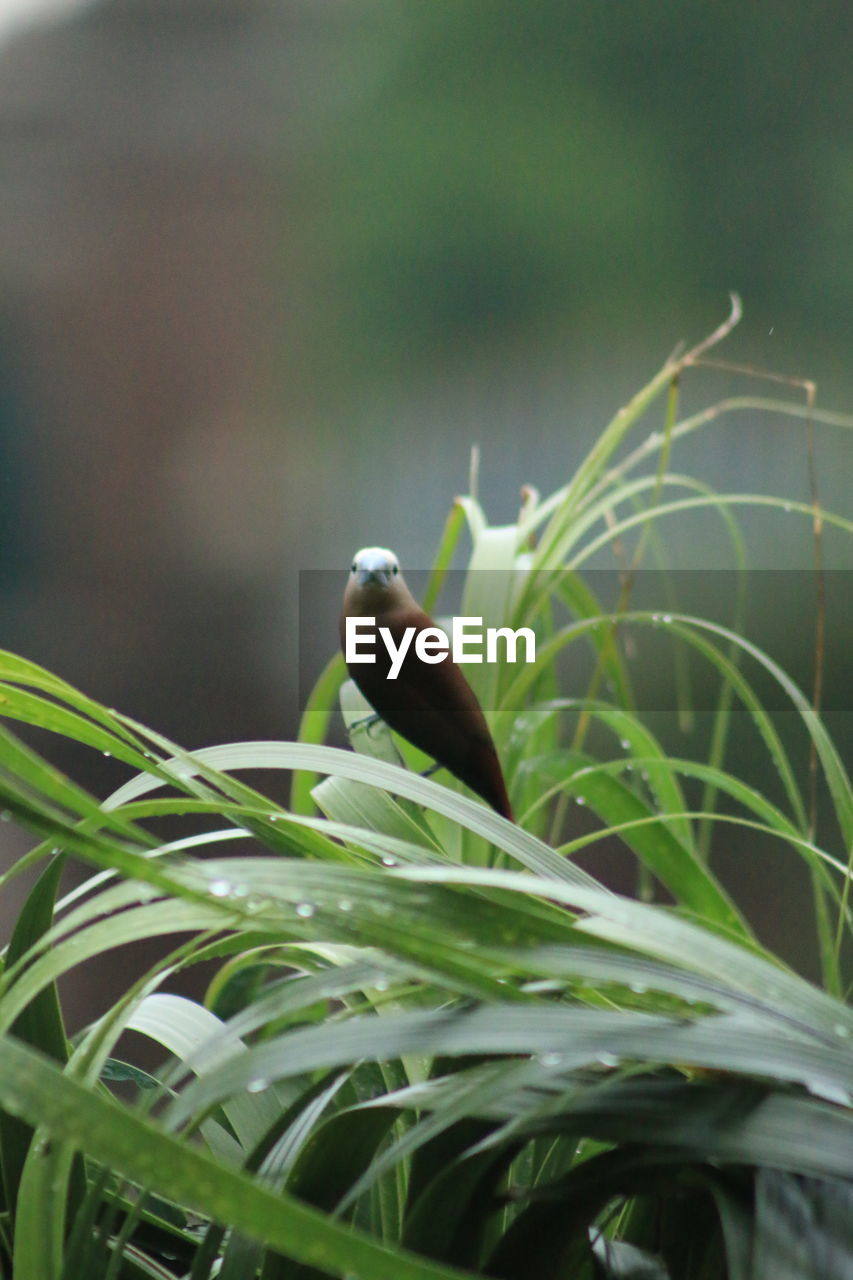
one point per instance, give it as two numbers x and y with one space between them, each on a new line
672 862
803 1227
31 1086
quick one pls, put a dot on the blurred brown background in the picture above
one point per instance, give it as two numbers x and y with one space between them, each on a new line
269 267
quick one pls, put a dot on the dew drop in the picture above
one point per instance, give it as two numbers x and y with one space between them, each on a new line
639 988
220 888
787 507
607 1059
667 617
550 1059
625 744
107 754
258 1085
388 861
344 904
580 800
842 1030
381 984
241 891
305 910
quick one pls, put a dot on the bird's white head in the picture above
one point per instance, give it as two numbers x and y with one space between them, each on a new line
374 566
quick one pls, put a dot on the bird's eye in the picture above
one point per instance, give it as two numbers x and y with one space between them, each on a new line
353 566
395 568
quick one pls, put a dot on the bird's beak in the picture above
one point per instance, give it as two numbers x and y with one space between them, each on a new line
380 576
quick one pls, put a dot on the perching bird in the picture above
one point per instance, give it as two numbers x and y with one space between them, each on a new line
430 704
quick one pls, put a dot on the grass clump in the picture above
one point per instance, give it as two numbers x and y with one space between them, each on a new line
434 1045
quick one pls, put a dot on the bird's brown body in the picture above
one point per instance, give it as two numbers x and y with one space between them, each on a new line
430 704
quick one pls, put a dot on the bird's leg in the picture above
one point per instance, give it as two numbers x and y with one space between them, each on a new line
367 722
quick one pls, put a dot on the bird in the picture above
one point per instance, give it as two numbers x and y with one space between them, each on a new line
430 704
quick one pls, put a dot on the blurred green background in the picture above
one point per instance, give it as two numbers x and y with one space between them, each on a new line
268 269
